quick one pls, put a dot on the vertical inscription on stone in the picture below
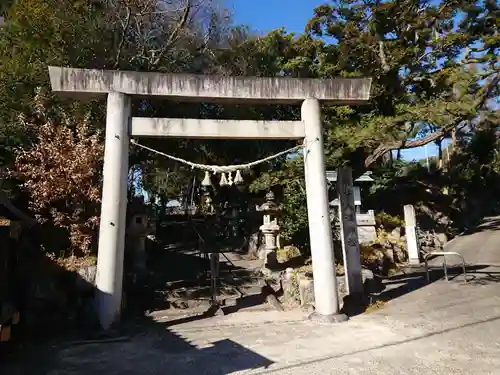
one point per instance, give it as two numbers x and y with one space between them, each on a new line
349 232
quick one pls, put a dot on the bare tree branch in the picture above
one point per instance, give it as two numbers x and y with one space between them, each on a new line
388 147
383 59
175 33
125 27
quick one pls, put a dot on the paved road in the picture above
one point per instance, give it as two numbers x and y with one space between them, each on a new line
449 329
441 328
482 246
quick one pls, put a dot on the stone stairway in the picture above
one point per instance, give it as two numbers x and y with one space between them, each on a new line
239 285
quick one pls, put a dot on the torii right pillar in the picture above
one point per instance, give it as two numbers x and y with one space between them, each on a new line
320 231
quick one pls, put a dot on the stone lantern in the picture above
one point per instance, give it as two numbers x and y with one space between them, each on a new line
270 229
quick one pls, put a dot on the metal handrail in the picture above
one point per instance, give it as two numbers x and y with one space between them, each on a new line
445 268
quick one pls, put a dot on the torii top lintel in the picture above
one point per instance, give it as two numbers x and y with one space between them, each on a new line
209 88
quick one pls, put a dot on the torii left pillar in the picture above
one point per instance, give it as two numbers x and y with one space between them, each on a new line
109 278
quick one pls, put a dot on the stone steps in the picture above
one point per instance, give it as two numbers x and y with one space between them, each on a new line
239 285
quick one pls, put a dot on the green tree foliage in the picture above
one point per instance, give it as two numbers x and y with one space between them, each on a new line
122 34
432 63
114 34
434 67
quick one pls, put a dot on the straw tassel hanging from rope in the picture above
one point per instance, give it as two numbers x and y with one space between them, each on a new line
238 179
223 180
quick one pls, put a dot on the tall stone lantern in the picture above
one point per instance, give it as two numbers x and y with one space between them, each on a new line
270 229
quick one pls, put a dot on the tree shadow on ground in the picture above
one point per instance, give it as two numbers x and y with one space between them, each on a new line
141 344
487 224
179 280
411 280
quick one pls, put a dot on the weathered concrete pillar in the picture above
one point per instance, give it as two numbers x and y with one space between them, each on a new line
109 277
411 235
349 232
323 262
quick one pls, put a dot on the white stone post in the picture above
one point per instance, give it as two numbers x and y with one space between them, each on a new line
323 261
109 276
349 232
411 235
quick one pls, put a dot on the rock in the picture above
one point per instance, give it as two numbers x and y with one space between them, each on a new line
289 291
261 252
273 301
339 269
341 285
400 255
366 274
307 309
430 241
389 256
45 289
375 259
397 233
371 283
288 253
444 220
442 238
86 277
180 305
379 255
275 282
253 246
214 310
306 291
230 302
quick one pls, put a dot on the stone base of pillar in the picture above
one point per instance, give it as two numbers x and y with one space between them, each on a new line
331 318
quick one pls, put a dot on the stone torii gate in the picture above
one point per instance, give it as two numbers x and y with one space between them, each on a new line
120 86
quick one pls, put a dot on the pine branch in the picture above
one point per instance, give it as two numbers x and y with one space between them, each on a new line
443 131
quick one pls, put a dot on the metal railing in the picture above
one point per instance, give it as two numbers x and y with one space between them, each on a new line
445 268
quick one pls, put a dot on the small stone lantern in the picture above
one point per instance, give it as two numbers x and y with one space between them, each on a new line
270 229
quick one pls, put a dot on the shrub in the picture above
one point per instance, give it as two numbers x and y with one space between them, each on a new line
61 173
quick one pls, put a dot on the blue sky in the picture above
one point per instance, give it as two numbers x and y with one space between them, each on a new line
267 15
